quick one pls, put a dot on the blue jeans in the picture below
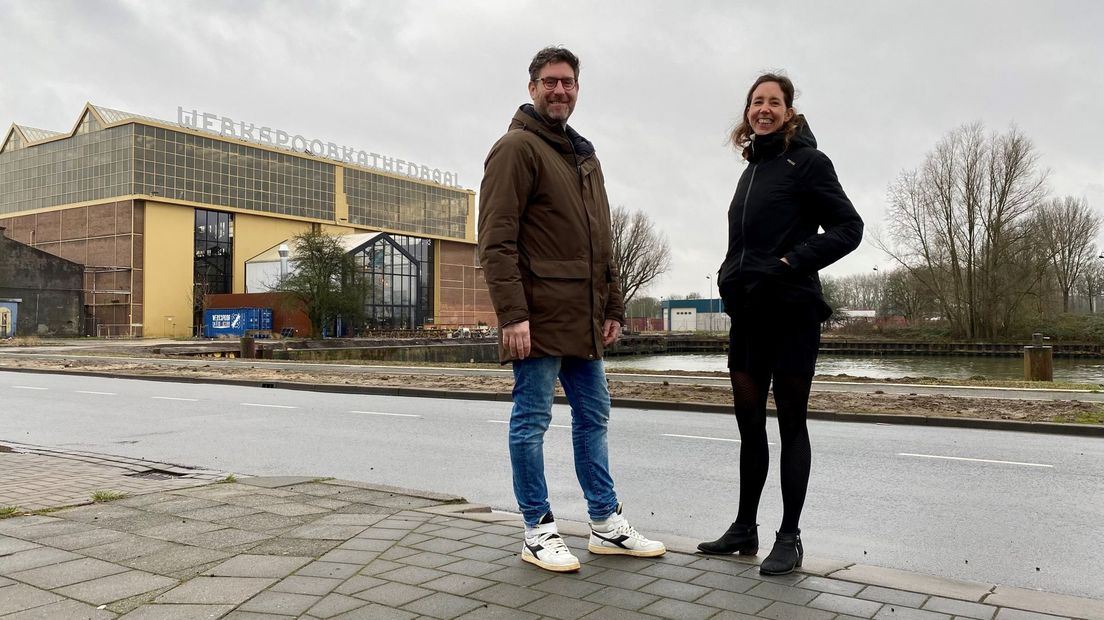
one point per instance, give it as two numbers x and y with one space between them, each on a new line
584 383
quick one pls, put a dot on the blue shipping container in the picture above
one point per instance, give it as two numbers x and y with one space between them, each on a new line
236 321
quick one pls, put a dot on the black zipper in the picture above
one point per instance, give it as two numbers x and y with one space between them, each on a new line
743 215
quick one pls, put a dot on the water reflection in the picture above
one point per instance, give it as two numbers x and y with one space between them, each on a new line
1074 370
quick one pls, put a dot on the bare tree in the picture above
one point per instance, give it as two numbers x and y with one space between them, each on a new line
1067 227
641 252
960 224
1092 280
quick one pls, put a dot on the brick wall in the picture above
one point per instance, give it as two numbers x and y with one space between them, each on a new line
464 300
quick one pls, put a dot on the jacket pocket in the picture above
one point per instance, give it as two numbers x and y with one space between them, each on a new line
570 269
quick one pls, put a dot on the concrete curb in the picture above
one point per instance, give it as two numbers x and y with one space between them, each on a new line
1052 428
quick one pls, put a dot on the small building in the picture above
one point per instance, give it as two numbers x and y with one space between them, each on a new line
40 294
694 315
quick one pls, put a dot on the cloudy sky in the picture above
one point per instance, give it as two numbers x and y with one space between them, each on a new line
661 84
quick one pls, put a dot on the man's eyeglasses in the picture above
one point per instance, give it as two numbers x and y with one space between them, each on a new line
550 83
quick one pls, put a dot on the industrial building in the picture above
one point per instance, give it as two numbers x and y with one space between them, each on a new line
162 214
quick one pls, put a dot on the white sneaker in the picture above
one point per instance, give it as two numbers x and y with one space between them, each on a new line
616 536
544 547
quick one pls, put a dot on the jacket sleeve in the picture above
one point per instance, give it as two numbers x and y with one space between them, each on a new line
843 228
615 302
507 182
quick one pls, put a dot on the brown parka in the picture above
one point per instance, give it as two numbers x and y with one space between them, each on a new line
545 238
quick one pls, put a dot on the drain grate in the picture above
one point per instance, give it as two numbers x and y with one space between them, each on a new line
154 474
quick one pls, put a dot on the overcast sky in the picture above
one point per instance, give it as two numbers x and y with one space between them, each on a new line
661 84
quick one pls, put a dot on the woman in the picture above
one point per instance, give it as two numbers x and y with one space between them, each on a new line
770 288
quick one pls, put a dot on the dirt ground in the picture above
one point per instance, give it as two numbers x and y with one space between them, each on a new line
841 402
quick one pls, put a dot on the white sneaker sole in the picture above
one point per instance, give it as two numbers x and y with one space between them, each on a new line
650 553
556 568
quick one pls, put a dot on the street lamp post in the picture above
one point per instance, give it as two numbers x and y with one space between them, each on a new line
710 280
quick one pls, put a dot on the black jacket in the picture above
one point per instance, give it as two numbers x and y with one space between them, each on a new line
783 198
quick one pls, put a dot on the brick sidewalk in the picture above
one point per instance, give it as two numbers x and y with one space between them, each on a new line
297 547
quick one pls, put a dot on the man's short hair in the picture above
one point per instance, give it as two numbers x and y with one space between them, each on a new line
553 54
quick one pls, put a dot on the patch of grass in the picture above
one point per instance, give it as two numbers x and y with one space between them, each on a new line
107 496
1084 417
8 511
230 478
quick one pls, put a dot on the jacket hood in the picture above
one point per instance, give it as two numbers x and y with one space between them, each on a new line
563 138
773 144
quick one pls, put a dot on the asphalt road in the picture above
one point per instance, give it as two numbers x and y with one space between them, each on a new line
824 386
993 506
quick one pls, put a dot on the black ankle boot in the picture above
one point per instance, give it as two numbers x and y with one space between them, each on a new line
786 555
740 538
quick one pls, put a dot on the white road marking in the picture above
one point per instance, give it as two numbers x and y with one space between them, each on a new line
191 400
272 406
550 425
397 415
91 392
961 458
27 387
707 438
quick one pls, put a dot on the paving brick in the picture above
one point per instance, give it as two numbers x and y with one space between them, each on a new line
960 608
622 598
674 589
34 558
671 571
181 505
259 566
334 604
325 532
293 510
373 611
678 610
333 570
347 556
494 612
412 539
216 590
787 611
497 541
354 518
728 583
621 579
556 606
397 553
569 585
393 594
734 601
130 546
451 533
735 615
378 566
47 530
891 611
284 603
894 596
226 538
261 522
484 554
1006 613
67 609
116 587
175 558
9 545
520 575
473 568
67 573
846 605
508 594
300 584
82 540
413 575
441 545
832 586
139 521
779 592
293 546
178 612
21 597
458 584
366 544
791 579
178 531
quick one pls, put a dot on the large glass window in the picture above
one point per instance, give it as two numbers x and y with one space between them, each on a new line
86 167
399 270
385 202
185 166
214 256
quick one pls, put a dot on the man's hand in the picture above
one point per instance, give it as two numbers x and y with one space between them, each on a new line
611 331
515 337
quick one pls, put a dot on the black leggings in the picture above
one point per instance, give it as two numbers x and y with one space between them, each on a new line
791 397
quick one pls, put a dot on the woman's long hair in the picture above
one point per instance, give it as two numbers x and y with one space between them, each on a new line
741 135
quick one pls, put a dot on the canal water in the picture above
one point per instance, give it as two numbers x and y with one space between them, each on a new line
883 367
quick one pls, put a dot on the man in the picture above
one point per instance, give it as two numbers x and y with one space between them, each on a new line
545 245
